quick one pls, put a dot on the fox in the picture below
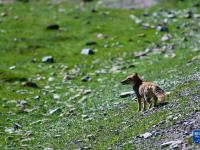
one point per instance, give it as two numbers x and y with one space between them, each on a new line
145 90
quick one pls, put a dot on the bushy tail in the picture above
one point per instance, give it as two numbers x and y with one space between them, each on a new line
160 94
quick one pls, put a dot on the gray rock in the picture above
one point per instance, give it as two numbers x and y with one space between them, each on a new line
37 97
85 116
48 59
146 135
166 37
48 148
16 126
51 112
162 28
87 92
91 137
56 96
12 67
171 144
87 51
86 78
141 53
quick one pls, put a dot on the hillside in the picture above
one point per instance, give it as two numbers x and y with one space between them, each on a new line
61 66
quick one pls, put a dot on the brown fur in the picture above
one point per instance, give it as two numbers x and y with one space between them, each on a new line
146 90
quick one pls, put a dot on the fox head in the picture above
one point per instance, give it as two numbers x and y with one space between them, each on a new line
131 79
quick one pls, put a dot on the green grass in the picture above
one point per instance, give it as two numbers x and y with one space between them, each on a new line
113 120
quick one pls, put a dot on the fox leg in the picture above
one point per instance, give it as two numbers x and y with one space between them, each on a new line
155 101
147 100
150 105
139 104
145 105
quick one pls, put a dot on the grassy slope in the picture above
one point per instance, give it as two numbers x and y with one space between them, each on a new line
114 120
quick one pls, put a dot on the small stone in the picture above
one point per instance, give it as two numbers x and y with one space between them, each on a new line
87 92
171 16
126 94
91 137
146 135
37 97
162 28
171 143
22 103
141 53
16 126
85 116
100 36
12 67
53 27
56 96
188 15
196 58
166 37
48 148
48 59
86 79
50 79
87 51
3 14
53 111
10 130
197 16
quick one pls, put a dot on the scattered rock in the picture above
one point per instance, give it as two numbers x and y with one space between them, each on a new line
22 103
85 116
87 92
162 28
188 15
195 58
87 51
48 148
126 94
86 79
56 96
166 37
16 126
146 135
51 112
10 130
12 67
27 140
50 79
48 59
171 144
91 137
136 19
53 27
100 36
3 14
141 53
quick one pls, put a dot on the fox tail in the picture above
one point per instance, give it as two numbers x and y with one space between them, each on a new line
160 94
